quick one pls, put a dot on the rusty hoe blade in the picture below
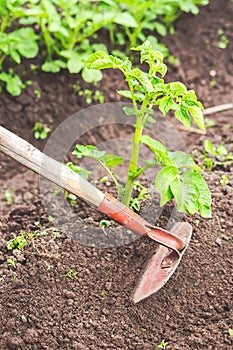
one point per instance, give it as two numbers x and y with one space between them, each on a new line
172 244
163 263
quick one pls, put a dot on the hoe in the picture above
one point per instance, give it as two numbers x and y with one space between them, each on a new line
171 245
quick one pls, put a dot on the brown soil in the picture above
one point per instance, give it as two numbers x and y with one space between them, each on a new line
41 306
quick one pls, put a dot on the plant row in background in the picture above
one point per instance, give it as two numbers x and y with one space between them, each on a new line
65 33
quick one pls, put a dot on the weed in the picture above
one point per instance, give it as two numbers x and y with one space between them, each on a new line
223 43
105 223
41 131
209 123
33 68
17 242
71 198
70 274
213 83
89 95
215 155
9 196
179 177
51 218
224 180
37 224
231 332
11 262
37 93
162 345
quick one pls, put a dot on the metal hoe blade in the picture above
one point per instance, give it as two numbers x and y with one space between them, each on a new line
158 270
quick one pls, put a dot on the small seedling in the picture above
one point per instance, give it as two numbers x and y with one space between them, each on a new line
215 155
51 218
213 83
223 43
79 170
17 242
143 329
11 262
89 95
224 180
71 198
209 123
105 223
41 131
162 345
37 224
34 68
37 93
231 332
70 274
108 271
9 196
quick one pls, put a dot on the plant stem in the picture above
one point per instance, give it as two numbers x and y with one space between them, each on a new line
111 174
135 151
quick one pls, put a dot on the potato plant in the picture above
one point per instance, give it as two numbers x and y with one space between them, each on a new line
179 178
21 42
65 29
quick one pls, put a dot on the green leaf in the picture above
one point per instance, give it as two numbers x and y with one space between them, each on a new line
160 28
184 160
163 181
159 150
79 170
178 88
209 147
25 42
91 75
111 160
15 56
53 66
185 195
125 19
99 60
75 65
29 49
192 194
127 94
165 104
197 115
190 95
182 115
14 84
204 196
221 150
16 243
154 145
142 78
129 110
88 151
